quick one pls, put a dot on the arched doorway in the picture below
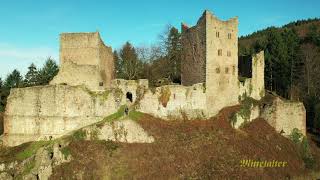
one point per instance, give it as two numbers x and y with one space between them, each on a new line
129 96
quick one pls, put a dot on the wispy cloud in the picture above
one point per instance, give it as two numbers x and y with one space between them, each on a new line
13 57
21 53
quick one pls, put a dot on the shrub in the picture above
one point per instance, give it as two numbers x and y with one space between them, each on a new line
66 152
165 94
79 135
297 137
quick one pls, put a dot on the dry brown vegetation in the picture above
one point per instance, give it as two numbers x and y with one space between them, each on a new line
188 149
1 123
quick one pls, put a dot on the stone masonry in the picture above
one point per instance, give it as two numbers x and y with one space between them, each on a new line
85 60
85 91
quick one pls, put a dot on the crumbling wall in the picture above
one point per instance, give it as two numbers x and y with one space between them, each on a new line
106 64
193 65
222 88
73 74
46 112
254 86
175 102
284 116
168 102
84 51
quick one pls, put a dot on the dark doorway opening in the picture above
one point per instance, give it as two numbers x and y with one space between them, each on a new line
129 96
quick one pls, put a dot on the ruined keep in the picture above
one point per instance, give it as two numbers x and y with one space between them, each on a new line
85 60
210 56
85 91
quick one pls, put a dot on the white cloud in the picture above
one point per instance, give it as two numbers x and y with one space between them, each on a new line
13 57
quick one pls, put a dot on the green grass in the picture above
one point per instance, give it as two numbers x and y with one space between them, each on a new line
103 96
79 134
135 115
31 149
66 152
115 116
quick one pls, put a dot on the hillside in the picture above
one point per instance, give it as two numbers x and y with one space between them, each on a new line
302 28
292 59
182 149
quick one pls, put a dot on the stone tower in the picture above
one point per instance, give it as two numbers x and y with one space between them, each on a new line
85 60
210 56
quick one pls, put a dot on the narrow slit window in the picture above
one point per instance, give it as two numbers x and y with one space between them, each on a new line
229 35
226 70
219 52
217 34
228 53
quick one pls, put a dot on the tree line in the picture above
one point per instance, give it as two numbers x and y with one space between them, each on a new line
292 62
160 63
34 77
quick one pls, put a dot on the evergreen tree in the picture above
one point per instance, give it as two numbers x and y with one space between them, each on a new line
131 65
174 54
31 78
118 65
48 71
13 80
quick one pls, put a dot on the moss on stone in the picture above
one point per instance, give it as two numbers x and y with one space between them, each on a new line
102 95
164 97
242 79
135 115
117 93
28 167
31 149
79 134
66 152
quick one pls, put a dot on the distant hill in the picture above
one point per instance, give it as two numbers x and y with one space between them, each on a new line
301 27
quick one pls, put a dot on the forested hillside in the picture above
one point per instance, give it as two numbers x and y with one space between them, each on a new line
292 59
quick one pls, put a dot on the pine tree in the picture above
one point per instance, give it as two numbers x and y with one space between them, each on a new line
31 78
131 65
118 65
48 71
174 54
13 80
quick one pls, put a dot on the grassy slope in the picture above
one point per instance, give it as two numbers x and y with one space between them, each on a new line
188 149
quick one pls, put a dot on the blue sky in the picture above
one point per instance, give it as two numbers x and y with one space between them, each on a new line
29 29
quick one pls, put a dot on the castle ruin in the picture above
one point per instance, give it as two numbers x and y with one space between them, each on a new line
85 91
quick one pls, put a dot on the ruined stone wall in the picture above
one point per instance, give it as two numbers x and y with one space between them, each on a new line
222 67
73 74
84 50
175 102
42 112
254 87
285 116
258 89
80 48
193 65
106 64
170 101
